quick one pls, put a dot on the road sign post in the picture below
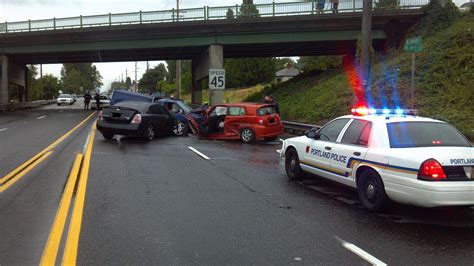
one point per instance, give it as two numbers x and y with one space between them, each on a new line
413 45
216 79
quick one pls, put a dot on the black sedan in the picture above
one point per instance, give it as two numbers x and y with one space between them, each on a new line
131 118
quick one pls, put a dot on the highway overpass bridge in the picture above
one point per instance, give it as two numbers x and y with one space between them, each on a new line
204 35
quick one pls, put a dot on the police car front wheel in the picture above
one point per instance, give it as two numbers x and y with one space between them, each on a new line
371 191
292 165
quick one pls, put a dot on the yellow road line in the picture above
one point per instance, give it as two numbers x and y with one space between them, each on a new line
51 250
72 241
34 158
25 171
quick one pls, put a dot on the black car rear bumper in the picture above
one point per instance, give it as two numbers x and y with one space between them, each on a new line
120 129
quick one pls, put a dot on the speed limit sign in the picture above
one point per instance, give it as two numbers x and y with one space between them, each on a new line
216 79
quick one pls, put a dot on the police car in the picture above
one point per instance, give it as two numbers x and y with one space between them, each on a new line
387 154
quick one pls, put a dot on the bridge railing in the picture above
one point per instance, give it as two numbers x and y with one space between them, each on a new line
203 13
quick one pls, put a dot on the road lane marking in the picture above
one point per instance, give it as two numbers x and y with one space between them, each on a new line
361 253
25 171
72 241
54 240
10 175
199 153
41 117
3 129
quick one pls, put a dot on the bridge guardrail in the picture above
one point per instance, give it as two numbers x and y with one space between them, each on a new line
296 128
205 13
24 105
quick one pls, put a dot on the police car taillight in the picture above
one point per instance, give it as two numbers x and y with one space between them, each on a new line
137 119
100 115
431 170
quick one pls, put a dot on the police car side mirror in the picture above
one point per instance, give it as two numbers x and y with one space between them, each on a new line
312 134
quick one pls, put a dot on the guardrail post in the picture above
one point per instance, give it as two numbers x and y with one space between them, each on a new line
54 23
273 6
29 24
172 16
140 17
80 19
236 10
110 19
353 5
312 7
6 27
204 9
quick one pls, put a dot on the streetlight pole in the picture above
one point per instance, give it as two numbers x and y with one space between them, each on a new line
178 62
366 42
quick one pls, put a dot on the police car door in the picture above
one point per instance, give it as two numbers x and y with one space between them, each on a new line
318 152
350 149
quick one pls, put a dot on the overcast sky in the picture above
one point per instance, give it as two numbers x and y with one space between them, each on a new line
18 10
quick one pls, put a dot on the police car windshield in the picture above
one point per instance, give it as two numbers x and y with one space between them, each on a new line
424 134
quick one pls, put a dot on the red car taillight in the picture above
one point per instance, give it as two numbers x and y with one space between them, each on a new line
260 121
137 119
100 115
431 170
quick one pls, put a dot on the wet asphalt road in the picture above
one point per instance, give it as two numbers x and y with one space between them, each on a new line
161 203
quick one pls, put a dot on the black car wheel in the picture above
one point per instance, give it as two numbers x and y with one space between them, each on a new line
371 191
180 129
292 165
108 136
247 135
149 133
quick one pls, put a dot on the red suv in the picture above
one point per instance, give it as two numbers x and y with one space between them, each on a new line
245 121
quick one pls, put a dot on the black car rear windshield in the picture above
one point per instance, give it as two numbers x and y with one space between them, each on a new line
266 110
424 134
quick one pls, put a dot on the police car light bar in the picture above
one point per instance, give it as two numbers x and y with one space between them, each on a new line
362 110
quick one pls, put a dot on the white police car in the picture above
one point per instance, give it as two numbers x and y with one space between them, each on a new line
388 155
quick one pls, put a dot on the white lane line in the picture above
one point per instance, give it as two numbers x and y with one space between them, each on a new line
41 117
199 153
361 253
3 129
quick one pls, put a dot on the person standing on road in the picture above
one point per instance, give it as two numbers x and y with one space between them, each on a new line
271 100
97 100
335 4
87 100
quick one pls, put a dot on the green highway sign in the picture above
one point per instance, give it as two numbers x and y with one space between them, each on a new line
413 45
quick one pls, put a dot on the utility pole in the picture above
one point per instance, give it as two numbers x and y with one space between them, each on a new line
147 66
41 82
178 62
366 43
126 73
136 82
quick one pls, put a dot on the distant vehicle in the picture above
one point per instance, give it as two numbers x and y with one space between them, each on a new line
133 118
245 121
65 99
388 155
104 101
179 110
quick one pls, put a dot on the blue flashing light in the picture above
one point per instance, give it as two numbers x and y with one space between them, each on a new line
399 111
372 111
386 111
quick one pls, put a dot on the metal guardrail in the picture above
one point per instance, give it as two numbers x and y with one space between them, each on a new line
203 14
295 128
24 105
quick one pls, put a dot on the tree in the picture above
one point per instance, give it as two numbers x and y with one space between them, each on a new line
230 14
75 76
319 63
186 75
249 71
283 62
51 86
128 82
148 82
248 10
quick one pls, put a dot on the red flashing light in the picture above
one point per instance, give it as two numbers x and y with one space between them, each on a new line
436 142
432 170
360 111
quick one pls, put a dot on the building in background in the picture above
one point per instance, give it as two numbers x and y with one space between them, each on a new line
287 73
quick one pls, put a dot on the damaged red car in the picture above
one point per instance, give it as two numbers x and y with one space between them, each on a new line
245 121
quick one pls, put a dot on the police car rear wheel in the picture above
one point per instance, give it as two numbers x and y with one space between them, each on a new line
371 191
292 165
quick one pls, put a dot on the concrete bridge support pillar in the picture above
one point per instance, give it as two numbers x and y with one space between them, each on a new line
212 58
4 82
13 76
